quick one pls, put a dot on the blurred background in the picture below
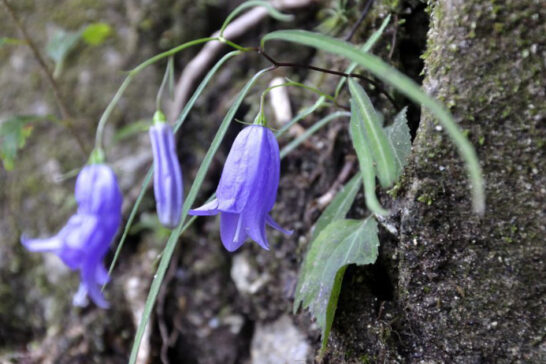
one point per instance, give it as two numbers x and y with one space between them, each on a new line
214 306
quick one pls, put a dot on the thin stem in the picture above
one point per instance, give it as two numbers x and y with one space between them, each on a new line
309 88
131 75
109 108
270 9
360 20
43 66
170 52
277 64
234 45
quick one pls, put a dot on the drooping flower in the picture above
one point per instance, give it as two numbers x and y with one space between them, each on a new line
247 189
85 239
168 187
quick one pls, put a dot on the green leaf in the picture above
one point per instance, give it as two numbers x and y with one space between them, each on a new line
374 135
132 129
302 115
403 84
10 41
365 48
339 244
399 138
274 13
96 33
173 238
340 205
13 135
313 129
60 46
365 161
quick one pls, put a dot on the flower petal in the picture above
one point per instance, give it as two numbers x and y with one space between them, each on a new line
101 274
208 209
231 231
80 297
88 278
77 235
241 169
269 220
272 170
97 190
42 245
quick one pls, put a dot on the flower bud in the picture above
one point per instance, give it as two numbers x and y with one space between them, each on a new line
168 188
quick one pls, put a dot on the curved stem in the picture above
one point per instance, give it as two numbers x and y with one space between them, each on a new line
108 111
278 64
129 78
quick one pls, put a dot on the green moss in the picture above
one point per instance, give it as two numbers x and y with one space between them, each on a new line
365 359
426 199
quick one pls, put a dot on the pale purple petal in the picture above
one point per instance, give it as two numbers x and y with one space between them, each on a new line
97 190
241 169
231 232
42 245
272 170
85 239
80 297
101 274
89 280
79 233
269 220
168 188
247 189
208 209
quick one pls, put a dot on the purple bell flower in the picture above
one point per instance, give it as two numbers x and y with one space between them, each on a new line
247 189
168 187
85 239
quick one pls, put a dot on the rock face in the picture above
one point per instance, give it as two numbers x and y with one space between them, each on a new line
469 289
472 288
279 342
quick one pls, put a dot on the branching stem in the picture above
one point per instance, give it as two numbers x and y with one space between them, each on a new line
277 64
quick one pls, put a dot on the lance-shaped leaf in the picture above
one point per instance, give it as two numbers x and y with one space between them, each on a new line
175 234
403 84
340 205
365 160
399 138
341 243
374 134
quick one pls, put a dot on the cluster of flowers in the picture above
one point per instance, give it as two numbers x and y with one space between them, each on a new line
246 194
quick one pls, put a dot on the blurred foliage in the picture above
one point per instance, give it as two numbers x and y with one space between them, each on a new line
14 133
64 42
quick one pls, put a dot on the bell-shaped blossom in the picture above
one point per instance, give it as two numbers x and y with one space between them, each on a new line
85 239
247 189
168 187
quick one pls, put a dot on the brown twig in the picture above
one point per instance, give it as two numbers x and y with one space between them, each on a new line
394 33
326 198
277 64
43 66
200 63
360 20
